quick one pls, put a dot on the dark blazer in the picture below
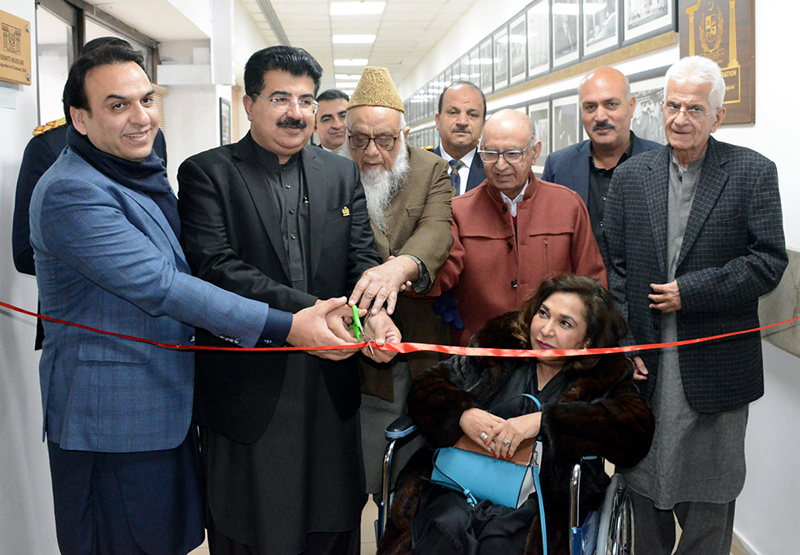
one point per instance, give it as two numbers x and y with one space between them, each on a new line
570 166
733 252
231 243
476 173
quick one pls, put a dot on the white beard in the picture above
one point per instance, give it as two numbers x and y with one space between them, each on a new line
380 187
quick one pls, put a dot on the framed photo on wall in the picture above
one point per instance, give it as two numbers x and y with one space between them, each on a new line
648 119
566 122
518 46
600 26
538 16
225 122
500 40
463 73
647 18
487 65
539 112
475 66
565 32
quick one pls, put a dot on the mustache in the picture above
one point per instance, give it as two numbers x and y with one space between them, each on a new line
293 123
603 125
458 129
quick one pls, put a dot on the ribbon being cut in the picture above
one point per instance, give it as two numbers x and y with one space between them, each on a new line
416 347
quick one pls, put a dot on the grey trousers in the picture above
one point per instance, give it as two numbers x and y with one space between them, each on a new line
706 528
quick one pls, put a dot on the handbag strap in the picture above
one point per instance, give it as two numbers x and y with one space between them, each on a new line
471 499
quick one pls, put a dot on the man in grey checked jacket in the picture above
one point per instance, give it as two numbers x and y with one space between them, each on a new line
693 236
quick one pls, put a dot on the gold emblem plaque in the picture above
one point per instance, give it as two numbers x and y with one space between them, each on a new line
724 31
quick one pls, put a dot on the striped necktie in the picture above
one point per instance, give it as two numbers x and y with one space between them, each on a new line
455 179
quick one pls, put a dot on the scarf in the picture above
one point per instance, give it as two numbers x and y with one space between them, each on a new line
148 176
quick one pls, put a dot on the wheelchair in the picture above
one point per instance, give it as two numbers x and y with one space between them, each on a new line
607 531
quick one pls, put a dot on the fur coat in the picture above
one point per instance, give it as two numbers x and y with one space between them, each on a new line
600 413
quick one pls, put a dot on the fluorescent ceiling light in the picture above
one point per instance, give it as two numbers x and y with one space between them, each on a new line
345 85
350 62
353 39
345 76
357 8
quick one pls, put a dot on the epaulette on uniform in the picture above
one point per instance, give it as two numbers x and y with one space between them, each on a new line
429 147
49 126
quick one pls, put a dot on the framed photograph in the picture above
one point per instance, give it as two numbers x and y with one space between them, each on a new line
464 71
648 120
539 112
538 16
474 71
565 32
500 40
566 122
647 18
225 122
518 46
600 26
448 78
487 65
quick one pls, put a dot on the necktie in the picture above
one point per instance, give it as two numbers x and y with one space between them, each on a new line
455 179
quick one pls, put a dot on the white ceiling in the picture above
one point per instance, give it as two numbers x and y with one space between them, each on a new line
406 31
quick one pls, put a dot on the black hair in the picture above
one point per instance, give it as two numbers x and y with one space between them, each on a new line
332 94
471 85
293 60
100 42
75 88
605 325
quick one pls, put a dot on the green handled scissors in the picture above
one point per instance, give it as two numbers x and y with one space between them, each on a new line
356 325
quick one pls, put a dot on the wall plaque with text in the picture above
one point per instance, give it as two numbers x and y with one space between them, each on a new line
724 31
15 51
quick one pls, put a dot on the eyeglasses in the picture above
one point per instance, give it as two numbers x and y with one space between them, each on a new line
511 156
361 142
693 112
284 104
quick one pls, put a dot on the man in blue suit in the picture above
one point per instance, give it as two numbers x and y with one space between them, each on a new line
117 413
462 112
587 167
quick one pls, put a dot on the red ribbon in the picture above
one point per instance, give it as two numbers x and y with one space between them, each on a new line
415 347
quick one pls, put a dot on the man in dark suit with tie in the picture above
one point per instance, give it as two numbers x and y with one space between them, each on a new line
587 167
693 237
462 112
275 219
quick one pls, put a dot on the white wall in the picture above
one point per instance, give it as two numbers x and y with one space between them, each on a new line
27 526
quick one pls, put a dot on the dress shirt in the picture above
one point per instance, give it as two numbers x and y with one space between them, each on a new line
463 172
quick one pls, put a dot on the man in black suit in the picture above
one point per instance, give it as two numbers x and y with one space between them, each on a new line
275 219
587 167
694 236
462 112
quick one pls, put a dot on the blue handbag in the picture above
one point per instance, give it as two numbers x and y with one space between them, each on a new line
468 469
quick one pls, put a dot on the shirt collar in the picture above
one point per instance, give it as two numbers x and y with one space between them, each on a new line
512 204
467 158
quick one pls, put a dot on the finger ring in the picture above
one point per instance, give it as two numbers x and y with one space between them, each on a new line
484 436
506 441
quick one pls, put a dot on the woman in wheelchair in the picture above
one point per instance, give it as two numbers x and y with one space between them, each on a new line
591 408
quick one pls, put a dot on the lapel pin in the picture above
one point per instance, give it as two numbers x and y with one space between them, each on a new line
345 211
